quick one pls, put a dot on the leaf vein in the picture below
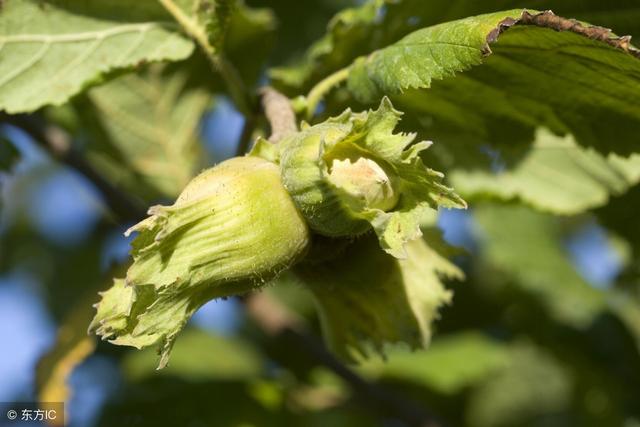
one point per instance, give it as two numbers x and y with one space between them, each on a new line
82 36
26 65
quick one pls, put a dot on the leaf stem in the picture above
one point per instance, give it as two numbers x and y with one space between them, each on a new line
322 88
223 67
277 109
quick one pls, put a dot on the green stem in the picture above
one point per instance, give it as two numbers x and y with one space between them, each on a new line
223 67
322 88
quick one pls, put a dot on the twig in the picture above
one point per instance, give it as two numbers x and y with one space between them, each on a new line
277 109
56 142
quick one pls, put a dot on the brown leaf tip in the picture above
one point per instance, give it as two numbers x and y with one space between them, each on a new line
548 19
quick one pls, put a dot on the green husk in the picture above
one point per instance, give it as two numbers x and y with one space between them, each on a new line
233 228
391 189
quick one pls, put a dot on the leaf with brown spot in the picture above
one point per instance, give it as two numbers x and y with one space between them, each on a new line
494 78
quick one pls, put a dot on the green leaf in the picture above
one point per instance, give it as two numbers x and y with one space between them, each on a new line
528 247
231 229
537 69
346 32
377 23
143 130
250 30
51 51
299 24
199 356
429 54
532 388
216 17
554 175
445 366
524 258
367 299
227 30
209 19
